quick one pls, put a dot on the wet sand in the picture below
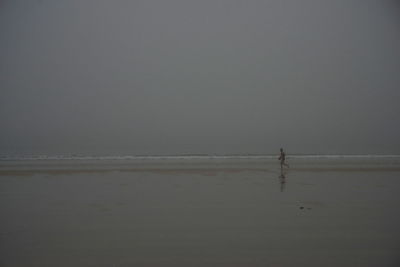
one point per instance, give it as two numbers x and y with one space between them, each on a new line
320 212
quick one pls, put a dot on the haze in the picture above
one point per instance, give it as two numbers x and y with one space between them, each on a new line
200 77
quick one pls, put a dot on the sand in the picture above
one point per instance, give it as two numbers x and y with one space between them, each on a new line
200 212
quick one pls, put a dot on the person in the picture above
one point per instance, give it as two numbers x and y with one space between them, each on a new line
282 158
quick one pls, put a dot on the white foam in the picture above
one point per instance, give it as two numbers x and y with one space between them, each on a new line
180 157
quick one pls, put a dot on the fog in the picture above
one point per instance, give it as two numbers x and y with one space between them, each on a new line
200 77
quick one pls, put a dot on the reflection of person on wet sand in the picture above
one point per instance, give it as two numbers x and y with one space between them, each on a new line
282 180
282 158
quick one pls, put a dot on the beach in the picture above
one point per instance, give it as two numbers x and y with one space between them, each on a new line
200 211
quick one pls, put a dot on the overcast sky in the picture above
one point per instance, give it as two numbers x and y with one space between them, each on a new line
209 76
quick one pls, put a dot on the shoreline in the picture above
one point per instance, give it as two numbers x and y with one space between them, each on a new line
188 170
198 165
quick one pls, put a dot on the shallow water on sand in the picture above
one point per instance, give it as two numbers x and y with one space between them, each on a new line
227 212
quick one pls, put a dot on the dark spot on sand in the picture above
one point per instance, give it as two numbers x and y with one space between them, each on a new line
301 208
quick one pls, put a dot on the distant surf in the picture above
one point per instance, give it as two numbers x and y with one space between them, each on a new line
181 157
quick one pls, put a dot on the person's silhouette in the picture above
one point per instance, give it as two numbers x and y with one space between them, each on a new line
282 158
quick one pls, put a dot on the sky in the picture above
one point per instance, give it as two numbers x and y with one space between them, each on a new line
155 77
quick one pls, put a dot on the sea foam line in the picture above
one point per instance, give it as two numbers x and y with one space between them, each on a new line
182 157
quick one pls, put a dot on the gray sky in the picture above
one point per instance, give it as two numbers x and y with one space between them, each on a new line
172 77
